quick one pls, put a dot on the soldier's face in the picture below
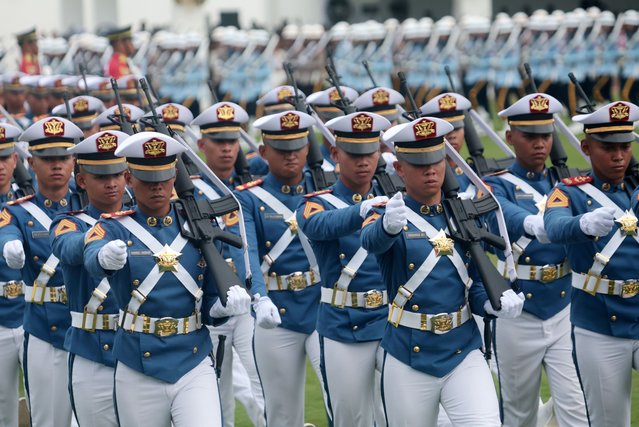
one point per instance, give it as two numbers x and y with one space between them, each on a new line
52 173
38 103
153 198
355 170
531 149
456 138
423 182
104 191
609 161
7 165
15 100
220 153
284 164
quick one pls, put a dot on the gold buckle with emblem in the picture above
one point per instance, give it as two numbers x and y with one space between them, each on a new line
441 323
166 326
549 273
336 292
90 328
12 289
296 281
373 298
629 289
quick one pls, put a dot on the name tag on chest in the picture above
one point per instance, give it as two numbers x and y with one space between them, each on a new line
140 252
523 196
43 234
273 216
416 235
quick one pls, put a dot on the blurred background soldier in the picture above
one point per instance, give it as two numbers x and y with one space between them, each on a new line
28 43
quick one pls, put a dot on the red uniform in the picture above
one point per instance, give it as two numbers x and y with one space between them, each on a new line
29 64
118 66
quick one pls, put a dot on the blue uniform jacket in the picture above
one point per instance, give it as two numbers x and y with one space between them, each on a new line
399 257
11 310
543 300
604 314
335 236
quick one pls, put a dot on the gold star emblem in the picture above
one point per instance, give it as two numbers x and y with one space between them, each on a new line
627 223
167 259
292 224
443 245
541 205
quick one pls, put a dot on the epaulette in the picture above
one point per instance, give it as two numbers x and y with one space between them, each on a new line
20 200
117 214
577 180
251 155
317 193
500 172
249 184
195 177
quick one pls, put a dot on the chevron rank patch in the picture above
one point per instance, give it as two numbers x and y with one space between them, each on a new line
65 226
371 219
232 218
95 233
5 217
311 208
557 199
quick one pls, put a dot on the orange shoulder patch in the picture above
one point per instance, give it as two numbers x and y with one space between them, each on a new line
231 218
311 208
577 180
557 199
250 155
65 226
117 214
5 217
317 193
20 200
95 233
249 184
371 219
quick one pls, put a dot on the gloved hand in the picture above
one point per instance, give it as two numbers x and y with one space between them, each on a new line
511 305
238 301
266 314
599 222
534 225
112 256
390 160
367 204
13 253
395 217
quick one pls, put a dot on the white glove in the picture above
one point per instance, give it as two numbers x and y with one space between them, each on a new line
599 222
112 256
395 217
390 160
266 314
13 253
367 204
238 301
534 225
511 305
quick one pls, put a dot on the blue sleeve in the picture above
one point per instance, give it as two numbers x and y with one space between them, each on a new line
562 226
68 246
374 238
328 224
9 228
93 245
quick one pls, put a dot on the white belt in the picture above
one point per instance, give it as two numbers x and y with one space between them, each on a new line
436 323
160 326
340 298
597 285
542 273
293 282
41 294
92 322
12 289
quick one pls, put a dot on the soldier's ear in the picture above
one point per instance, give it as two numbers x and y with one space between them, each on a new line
262 149
585 146
508 136
127 177
333 151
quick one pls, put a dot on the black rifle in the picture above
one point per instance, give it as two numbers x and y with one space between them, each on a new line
477 161
314 159
466 226
23 180
632 171
83 72
120 118
201 224
79 199
388 184
558 157
368 71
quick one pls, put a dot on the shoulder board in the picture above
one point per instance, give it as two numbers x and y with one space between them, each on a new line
251 155
195 177
317 193
20 200
501 172
249 184
577 180
117 214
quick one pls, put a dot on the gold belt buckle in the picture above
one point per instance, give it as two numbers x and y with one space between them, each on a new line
441 323
92 325
166 326
336 291
549 273
629 289
12 289
63 295
391 310
373 298
296 281
34 290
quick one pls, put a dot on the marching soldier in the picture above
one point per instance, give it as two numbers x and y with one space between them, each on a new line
540 337
99 87
94 311
12 298
286 274
164 293
121 40
432 350
15 96
592 216
24 238
28 43
354 304
36 98
84 111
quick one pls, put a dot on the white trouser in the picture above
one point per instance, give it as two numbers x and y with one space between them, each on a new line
10 361
238 331
605 366
92 392
280 355
193 401
467 393
523 346
47 383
